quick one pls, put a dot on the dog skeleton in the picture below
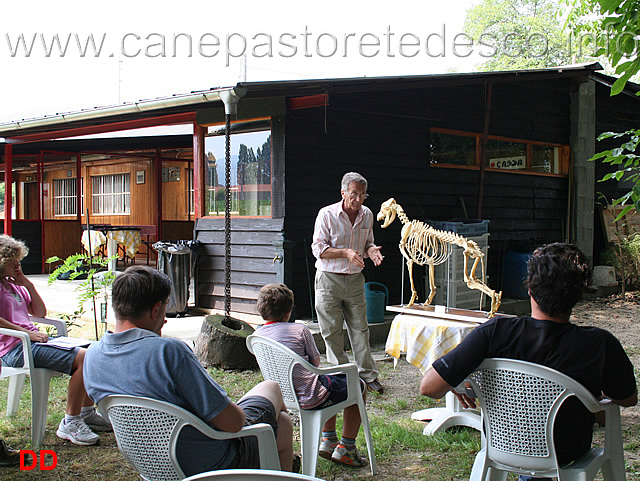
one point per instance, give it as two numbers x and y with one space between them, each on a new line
422 244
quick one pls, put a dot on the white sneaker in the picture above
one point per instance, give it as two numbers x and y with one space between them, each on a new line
97 422
77 432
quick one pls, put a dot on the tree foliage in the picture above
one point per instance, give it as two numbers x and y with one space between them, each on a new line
614 26
254 168
615 29
518 34
212 170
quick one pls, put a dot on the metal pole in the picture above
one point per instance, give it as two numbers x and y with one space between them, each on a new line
93 298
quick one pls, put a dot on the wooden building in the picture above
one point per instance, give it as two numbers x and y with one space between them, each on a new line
508 147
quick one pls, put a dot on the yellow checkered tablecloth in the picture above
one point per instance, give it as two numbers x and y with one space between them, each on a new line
129 239
96 237
424 339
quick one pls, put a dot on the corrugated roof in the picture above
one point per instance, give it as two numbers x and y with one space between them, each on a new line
196 99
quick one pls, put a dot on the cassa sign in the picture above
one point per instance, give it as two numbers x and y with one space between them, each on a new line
516 162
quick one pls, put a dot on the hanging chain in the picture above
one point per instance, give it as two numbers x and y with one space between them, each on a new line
227 220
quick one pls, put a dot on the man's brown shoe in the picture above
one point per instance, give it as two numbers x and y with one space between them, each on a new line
8 456
375 386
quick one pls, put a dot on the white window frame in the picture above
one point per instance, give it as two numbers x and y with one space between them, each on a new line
111 194
65 199
190 192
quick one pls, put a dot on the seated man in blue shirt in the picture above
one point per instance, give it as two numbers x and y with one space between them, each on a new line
137 361
556 277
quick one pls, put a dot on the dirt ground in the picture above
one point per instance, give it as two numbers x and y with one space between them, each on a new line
621 317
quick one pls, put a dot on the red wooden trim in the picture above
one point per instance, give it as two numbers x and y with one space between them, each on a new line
308 101
464 133
43 240
198 170
502 171
8 178
528 144
158 164
79 187
107 127
461 133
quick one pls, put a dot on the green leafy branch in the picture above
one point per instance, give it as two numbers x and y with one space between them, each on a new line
79 265
628 167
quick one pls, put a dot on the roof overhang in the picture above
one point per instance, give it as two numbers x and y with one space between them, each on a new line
165 111
206 107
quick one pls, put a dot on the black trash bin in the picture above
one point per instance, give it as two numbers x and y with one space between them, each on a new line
177 260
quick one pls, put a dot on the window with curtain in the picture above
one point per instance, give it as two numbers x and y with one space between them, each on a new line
64 197
111 194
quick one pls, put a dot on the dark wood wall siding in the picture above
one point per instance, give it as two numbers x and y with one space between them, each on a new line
384 136
532 110
252 263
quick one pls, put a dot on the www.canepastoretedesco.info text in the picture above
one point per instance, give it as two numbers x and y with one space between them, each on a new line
304 43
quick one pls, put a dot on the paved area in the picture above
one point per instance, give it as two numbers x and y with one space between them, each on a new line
62 297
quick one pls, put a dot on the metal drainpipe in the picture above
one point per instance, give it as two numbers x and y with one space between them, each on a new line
230 98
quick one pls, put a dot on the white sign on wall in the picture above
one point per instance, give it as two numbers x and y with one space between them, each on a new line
515 162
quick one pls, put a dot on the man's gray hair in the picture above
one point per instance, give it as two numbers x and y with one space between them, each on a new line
352 177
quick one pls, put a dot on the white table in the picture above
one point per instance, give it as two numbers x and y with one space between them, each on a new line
425 338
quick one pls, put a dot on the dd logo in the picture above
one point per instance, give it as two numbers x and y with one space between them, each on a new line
24 453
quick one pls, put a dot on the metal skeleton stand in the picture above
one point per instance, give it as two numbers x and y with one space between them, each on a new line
453 414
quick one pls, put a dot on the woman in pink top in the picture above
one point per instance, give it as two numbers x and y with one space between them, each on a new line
275 304
18 299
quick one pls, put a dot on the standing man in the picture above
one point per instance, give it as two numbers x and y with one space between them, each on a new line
342 239
557 275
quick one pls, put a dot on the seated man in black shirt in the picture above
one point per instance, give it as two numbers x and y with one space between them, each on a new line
556 277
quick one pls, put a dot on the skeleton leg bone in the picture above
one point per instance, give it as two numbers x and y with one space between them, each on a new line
432 285
414 293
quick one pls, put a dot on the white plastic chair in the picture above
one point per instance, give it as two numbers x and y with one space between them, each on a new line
39 378
249 475
519 402
147 431
276 363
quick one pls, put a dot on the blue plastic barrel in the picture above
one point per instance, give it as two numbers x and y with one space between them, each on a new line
377 296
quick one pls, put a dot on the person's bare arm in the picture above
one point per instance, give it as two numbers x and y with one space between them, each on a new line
230 419
35 336
336 253
630 401
36 307
433 385
374 254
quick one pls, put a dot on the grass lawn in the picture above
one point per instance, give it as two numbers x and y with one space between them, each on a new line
402 451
